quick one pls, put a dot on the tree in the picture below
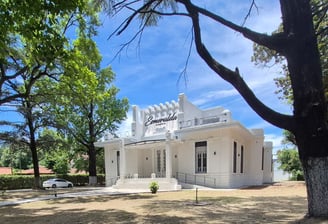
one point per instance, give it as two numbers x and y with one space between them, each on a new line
30 29
56 151
34 45
58 161
25 132
290 163
33 121
297 43
15 156
85 105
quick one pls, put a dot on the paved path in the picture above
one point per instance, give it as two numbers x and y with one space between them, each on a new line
93 192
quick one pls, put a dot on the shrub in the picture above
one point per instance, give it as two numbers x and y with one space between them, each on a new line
297 175
153 187
12 182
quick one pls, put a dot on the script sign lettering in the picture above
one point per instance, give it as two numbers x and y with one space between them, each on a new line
151 120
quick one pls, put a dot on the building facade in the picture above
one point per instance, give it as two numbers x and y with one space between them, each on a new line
178 144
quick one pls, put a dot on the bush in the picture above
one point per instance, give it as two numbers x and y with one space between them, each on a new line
290 163
12 182
153 187
298 175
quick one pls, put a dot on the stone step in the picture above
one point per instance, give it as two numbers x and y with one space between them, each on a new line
143 183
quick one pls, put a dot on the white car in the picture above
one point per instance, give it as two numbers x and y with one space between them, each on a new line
56 182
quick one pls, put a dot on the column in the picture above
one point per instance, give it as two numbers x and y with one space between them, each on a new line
122 160
168 155
107 166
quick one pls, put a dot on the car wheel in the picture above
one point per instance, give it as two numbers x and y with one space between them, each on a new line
54 186
69 186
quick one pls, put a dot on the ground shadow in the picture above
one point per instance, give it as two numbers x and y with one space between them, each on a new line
235 210
54 215
151 209
100 198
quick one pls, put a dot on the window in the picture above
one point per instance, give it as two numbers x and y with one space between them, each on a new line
234 161
158 161
201 157
164 159
262 158
242 159
118 163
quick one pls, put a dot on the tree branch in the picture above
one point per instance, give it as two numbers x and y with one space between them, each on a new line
248 15
234 78
277 42
183 73
134 14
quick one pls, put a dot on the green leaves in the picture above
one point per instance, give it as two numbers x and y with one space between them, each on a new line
266 57
290 162
34 37
36 52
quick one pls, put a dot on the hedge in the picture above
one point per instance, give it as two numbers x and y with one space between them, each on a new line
12 182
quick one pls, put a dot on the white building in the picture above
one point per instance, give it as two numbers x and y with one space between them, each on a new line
178 144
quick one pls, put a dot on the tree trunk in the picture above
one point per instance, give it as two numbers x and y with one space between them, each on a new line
316 177
312 143
310 109
37 183
33 148
92 165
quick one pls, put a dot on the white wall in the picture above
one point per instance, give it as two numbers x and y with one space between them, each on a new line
220 162
131 162
267 166
186 157
175 159
255 176
187 111
110 165
220 165
145 161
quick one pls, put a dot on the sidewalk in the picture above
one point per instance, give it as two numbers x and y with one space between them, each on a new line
94 192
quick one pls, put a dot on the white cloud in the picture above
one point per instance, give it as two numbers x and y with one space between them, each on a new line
213 96
125 127
276 140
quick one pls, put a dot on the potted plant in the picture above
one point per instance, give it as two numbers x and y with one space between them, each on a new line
153 187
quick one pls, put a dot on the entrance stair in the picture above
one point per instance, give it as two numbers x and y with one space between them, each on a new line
165 184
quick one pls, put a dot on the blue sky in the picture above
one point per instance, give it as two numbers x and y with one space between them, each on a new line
148 72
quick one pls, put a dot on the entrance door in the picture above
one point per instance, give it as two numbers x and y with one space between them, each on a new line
160 163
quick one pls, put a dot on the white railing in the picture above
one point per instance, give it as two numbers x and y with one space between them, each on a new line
201 121
201 180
